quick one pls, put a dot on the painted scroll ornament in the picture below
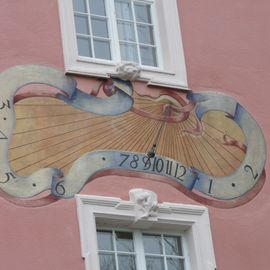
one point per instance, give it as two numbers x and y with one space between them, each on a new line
209 147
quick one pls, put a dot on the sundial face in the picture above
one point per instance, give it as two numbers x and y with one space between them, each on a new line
206 145
50 133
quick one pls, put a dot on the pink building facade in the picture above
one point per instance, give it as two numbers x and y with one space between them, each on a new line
225 49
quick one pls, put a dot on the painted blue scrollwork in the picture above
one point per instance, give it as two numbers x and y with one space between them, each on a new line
230 187
242 180
16 77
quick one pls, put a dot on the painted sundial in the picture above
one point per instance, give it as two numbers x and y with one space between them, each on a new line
204 144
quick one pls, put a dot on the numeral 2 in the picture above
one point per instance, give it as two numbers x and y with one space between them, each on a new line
248 168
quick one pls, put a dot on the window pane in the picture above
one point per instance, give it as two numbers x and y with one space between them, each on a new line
148 56
129 52
123 10
104 240
152 244
126 31
79 5
84 46
154 263
124 241
102 49
173 245
142 13
145 34
97 7
107 262
175 264
81 24
99 27
126 262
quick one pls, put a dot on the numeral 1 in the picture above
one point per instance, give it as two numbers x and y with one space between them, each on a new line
210 186
169 167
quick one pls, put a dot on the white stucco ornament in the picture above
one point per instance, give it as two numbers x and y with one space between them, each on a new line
146 203
128 71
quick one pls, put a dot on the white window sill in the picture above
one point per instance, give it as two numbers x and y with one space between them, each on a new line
104 69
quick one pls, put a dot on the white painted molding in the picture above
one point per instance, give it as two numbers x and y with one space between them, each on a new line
191 220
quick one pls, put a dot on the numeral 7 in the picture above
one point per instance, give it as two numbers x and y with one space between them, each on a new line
125 158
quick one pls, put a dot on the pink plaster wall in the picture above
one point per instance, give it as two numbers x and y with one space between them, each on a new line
227 49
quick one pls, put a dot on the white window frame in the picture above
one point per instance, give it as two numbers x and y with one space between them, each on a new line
191 221
170 53
138 244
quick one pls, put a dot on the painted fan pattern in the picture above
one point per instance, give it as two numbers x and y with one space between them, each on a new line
50 133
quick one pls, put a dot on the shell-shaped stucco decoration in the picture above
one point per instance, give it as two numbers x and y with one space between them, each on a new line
128 71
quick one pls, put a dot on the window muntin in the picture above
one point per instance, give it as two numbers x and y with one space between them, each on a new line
163 252
133 37
121 249
136 32
116 250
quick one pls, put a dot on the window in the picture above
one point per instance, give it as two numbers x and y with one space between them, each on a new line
100 34
142 235
135 31
131 250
